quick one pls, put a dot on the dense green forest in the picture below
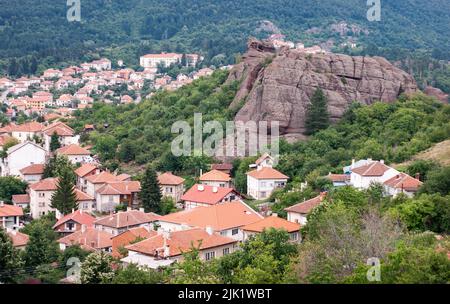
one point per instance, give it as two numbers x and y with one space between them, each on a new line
36 34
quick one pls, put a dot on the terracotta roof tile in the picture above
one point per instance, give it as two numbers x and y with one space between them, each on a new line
122 188
168 178
215 175
48 184
338 177
219 217
180 241
101 178
85 169
34 169
73 150
18 238
90 237
267 173
81 217
128 218
82 196
10 210
21 199
28 127
404 181
373 169
209 195
272 222
306 206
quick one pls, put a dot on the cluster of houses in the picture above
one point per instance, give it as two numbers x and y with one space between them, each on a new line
92 80
212 214
278 41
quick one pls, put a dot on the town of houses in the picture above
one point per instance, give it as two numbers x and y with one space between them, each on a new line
211 213
94 81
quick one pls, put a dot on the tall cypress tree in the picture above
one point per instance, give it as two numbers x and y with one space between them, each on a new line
65 199
317 117
150 194
54 142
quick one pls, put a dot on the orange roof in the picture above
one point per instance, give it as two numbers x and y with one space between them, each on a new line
90 237
272 222
4 139
73 150
215 175
48 184
129 236
102 177
179 242
85 169
404 181
21 199
262 158
209 195
169 179
60 128
10 210
8 128
82 196
219 217
267 173
127 218
306 206
18 238
82 218
33 169
51 116
373 169
28 127
338 177
120 188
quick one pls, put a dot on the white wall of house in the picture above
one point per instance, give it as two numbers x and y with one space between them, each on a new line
106 203
216 183
74 159
363 182
296 218
173 191
40 203
24 136
9 222
228 198
31 178
395 191
23 157
262 188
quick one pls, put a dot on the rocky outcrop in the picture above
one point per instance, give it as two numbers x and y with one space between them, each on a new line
437 93
277 85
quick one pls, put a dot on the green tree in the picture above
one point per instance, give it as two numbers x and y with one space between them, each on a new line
150 194
97 268
42 247
421 167
57 166
10 262
317 117
54 142
64 199
132 274
9 186
437 182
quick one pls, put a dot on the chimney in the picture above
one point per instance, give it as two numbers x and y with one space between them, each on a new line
2 204
128 209
209 230
275 214
141 209
214 189
353 163
200 188
382 161
417 176
83 228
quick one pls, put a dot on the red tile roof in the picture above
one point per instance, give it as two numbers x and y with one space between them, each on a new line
209 195
219 217
48 184
82 196
404 181
18 238
85 169
338 177
272 222
28 127
79 216
34 169
21 199
262 158
60 128
120 188
10 210
267 173
103 177
306 206
73 150
90 238
169 179
215 175
373 169
128 237
179 242
128 218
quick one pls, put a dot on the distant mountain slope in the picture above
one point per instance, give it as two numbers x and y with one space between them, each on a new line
214 27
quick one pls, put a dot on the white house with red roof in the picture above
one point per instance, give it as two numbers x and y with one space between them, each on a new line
27 131
84 171
164 59
166 248
21 200
402 183
226 219
96 181
10 216
21 156
273 222
216 178
87 238
171 186
262 181
19 239
76 154
374 172
123 220
298 213
203 196
66 134
32 173
73 222
112 194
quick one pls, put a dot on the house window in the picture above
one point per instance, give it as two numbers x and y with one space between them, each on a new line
263 184
111 198
85 205
263 194
41 204
210 255
294 236
41 194
223 233
232 197
169 189
234 231
222 185
70 226
226 251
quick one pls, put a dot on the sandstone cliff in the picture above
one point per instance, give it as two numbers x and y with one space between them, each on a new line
277 85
